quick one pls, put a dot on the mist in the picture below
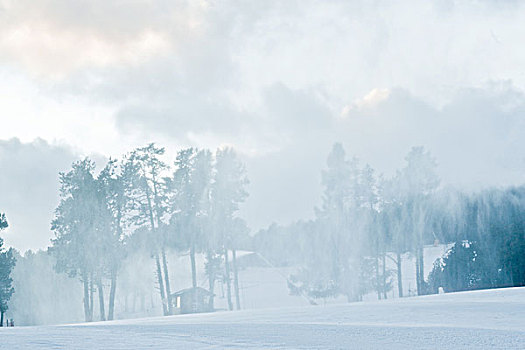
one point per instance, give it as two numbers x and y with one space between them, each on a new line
159 159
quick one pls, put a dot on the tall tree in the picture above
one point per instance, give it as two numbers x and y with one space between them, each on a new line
114 186
78 224
394 215
227 193
340 199
190 204
368 193
149 198
419 181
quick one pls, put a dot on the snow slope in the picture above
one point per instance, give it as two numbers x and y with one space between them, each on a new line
468 320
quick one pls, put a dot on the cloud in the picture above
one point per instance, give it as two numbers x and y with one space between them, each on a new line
55 38
476 138
369 101
280 81
474 135
29 189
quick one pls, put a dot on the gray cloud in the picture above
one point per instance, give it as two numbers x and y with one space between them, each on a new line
476 138
282 81
29 186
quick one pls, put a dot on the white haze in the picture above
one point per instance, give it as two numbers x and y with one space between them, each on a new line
279 81
287 85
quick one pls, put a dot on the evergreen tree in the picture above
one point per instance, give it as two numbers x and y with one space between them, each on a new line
376 238
3 222
227 193
81 228
114 187
394 216
336 257
149 202
7 263
419 181
190 204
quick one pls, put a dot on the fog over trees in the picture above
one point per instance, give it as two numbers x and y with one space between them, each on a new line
127 231
138 203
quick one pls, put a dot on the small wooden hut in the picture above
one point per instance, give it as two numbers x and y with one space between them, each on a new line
191 300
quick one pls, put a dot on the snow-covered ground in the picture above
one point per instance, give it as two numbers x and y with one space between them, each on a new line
468 320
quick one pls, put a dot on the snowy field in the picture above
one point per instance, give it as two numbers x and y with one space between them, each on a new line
468 320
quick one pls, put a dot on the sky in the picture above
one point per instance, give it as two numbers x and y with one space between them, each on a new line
280 81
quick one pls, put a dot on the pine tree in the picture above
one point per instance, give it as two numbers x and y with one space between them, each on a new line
3 222
7 263
190 203
418 182
82 228
393 215
149 198
340 201
114 186
227 193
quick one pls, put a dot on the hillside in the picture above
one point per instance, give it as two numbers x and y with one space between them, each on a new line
479 319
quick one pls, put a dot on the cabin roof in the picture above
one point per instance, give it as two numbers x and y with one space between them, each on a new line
192 290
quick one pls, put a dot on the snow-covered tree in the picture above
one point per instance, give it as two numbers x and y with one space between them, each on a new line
190 202
418 181
80 226
228 191
114 187
149 199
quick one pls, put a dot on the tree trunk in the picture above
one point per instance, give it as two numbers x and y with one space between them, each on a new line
112 291
91 290
101 300
399 276
211 280
165 309
227 280
86 297
384 276
167 280
378 283
418 272
1 319
193 266
421 272
161 285
236 280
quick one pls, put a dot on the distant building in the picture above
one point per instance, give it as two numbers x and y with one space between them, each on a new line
191 300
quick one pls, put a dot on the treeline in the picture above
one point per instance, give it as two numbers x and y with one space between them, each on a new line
141 202
489 243
367 223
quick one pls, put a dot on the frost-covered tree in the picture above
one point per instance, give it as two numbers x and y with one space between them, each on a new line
88 227
228 191
376 231
338 180
336 258
190 202
81 229
149 202
114 187
418 181
393 216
